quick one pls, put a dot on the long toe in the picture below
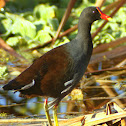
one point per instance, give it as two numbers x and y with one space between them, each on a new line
53 103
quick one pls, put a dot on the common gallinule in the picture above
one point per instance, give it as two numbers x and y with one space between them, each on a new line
58 71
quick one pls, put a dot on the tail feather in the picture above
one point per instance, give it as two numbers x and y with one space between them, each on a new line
12 85
30 90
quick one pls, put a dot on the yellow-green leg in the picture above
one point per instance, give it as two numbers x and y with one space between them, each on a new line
47 112
55 116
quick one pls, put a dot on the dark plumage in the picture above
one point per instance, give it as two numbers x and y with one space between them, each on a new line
58 71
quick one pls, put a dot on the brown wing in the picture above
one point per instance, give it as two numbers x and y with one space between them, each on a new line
55 71
49 73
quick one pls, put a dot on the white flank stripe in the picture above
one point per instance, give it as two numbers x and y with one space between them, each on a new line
28 85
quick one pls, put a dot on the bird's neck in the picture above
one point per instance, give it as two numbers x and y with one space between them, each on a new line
83 39
84 29
82 44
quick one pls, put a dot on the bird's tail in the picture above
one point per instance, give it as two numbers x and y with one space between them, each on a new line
12 85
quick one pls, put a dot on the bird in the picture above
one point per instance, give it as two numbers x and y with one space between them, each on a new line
56 73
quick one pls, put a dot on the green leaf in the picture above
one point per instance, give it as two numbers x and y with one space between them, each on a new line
3 72
24 28
44 12
2 16
39 25
54 23
42 36
5 25
15 41
21 26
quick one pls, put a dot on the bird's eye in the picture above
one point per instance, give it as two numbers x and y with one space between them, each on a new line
94 12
